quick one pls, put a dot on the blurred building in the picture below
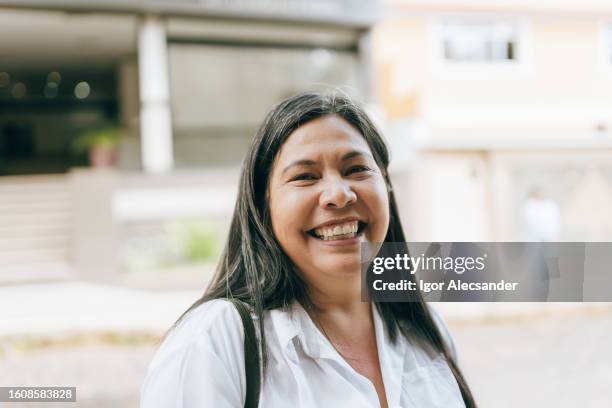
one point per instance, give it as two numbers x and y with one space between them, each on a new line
185 84
496 99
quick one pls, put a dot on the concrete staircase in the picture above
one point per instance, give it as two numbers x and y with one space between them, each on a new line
36 228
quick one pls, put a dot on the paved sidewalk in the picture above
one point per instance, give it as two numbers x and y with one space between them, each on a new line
510 311
76 307
513 354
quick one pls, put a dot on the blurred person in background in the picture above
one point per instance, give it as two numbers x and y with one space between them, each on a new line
541 217
314 186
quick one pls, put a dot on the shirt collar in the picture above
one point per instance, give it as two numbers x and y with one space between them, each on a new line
312 340
296 325
284 324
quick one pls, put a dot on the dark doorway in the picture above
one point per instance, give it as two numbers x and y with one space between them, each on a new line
44 110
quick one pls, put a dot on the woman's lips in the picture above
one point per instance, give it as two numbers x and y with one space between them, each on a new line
341 242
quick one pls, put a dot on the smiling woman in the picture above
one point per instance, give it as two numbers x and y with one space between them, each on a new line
313 187
325 184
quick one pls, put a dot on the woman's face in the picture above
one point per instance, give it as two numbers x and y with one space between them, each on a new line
327 195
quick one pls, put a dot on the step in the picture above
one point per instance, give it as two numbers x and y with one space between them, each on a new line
18 231
35 192
30 207
29 186
43 271
33 256
36 197
51 218
34 187
57 241
46 181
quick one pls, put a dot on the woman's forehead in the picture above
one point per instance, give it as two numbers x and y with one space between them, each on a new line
325 135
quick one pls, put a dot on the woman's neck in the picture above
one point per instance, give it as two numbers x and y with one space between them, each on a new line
341 311
339 297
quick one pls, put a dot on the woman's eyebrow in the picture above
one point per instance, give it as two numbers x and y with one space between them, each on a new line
355 153
303 162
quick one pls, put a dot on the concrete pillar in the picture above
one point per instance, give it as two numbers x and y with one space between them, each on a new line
155 115
129 114
366 66
129 99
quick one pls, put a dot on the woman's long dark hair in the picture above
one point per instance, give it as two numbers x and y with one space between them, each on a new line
254 269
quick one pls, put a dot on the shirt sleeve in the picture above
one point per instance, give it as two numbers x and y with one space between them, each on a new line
201 364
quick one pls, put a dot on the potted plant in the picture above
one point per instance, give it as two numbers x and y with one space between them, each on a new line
100 144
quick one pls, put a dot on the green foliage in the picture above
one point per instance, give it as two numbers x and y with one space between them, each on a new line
105 137
200 241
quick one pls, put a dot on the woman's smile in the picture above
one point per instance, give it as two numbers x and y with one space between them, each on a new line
346 231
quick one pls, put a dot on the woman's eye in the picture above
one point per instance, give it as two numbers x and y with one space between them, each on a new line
304 177
358 169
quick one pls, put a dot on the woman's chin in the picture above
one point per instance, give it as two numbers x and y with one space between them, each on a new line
349 265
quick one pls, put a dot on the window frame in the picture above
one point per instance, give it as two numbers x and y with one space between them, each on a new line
442 67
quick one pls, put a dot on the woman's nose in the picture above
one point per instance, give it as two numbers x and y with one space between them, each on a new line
337 194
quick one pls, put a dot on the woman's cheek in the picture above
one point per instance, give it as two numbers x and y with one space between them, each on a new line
376 199
293 207
375 195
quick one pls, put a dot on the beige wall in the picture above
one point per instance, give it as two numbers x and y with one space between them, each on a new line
558 6
562 72
489 133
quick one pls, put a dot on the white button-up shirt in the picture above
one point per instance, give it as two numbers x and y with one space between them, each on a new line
201 364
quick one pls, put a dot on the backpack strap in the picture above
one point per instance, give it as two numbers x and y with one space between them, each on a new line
251 356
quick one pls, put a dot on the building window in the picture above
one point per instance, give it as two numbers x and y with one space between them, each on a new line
480 41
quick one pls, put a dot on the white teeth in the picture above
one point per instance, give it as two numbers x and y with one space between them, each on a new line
338 237
343 231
